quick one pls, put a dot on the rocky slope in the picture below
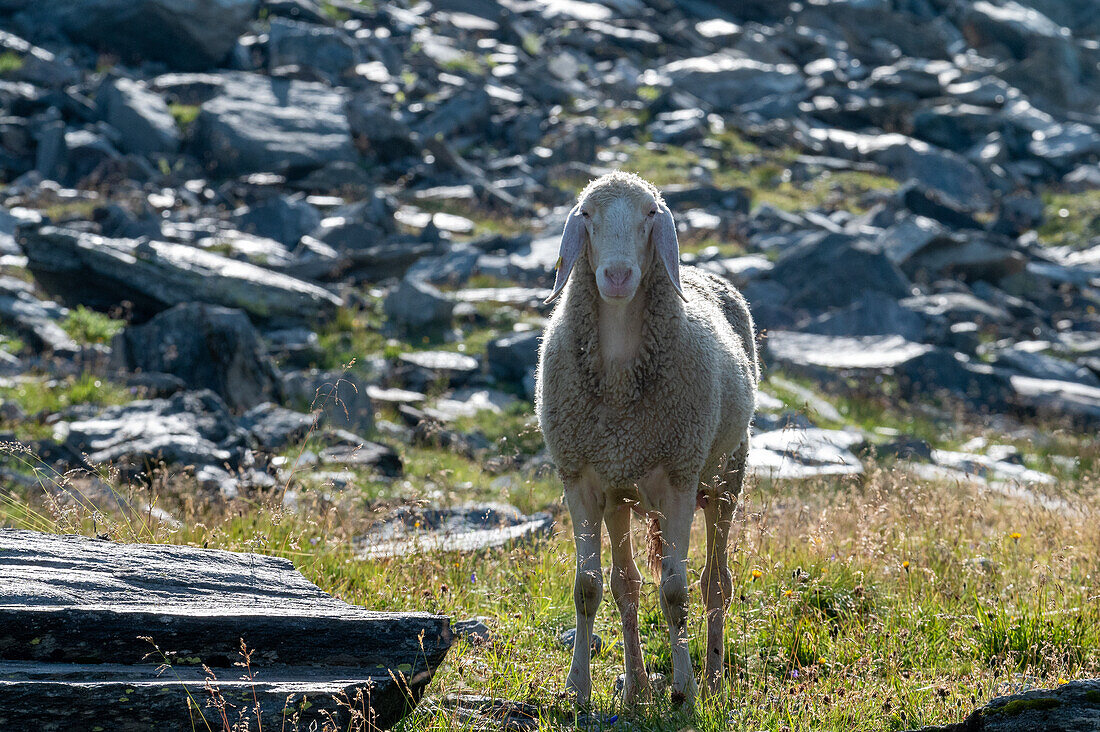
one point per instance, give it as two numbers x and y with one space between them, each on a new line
258 192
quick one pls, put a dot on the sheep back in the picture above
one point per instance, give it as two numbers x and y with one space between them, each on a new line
685 401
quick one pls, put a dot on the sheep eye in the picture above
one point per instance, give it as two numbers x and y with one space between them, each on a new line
652 212
584 214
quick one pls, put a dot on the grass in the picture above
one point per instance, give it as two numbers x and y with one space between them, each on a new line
1072 219
184 114
85 325
10 62
870 603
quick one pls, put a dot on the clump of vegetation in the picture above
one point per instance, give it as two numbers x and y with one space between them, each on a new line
184 114
1072 219
85 325
10 62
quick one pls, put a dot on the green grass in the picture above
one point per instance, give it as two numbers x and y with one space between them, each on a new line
85 325
859 603
10 62
184 114
1072 219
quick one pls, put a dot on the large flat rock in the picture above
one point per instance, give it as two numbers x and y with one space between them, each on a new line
158 274
76 616
260 124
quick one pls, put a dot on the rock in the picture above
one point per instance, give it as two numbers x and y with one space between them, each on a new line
1073 401
260 124
34 319
305 45
950 175
409 530
78 617
797 453
975 257
1021 357
1043 60
1068 708
1018 213
275 427
142 118
1064 144
431 366
286 219
185 34
512 357
340 395
849 265
926 202
809 351
415 303
360 453
474 630
468 401
727 83
208 347
941 371
568 639
156 275
191 428
873 314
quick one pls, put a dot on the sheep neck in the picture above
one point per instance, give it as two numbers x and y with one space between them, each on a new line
620 330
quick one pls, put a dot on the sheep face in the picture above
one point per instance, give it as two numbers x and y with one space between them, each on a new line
622 225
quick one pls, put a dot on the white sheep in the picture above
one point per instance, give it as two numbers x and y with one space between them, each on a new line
646 385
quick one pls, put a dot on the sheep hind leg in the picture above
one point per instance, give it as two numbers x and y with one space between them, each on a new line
677 512
626 588
585 508
716 581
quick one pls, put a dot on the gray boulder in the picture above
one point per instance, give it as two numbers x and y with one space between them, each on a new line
185 34
208 347
510 358
191 428
872 314
275 427
726 83
415 303
832 270
286 219
156 275
141 117
260 124
328 50
340 396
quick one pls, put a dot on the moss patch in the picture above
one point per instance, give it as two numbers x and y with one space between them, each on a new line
1019 706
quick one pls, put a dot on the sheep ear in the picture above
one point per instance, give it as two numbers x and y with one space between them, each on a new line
668 246
572 241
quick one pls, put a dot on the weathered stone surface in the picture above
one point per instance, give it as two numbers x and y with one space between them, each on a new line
849 266
416 303
257 123
275 427
839 352
466 528
726 82
75 612
804 453
208 347
190 428
140 115
1071 707
159 274
185 34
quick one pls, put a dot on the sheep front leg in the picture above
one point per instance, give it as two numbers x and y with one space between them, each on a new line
717 584
584 501
626 588
675 524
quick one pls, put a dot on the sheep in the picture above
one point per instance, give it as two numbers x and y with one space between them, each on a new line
645 388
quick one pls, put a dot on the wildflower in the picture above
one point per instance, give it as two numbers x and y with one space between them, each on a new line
757 574
786 593
1062 681
1015 535
905 566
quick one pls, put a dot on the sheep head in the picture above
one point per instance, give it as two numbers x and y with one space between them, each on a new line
623 225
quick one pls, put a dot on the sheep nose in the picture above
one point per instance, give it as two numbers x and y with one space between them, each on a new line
617 276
